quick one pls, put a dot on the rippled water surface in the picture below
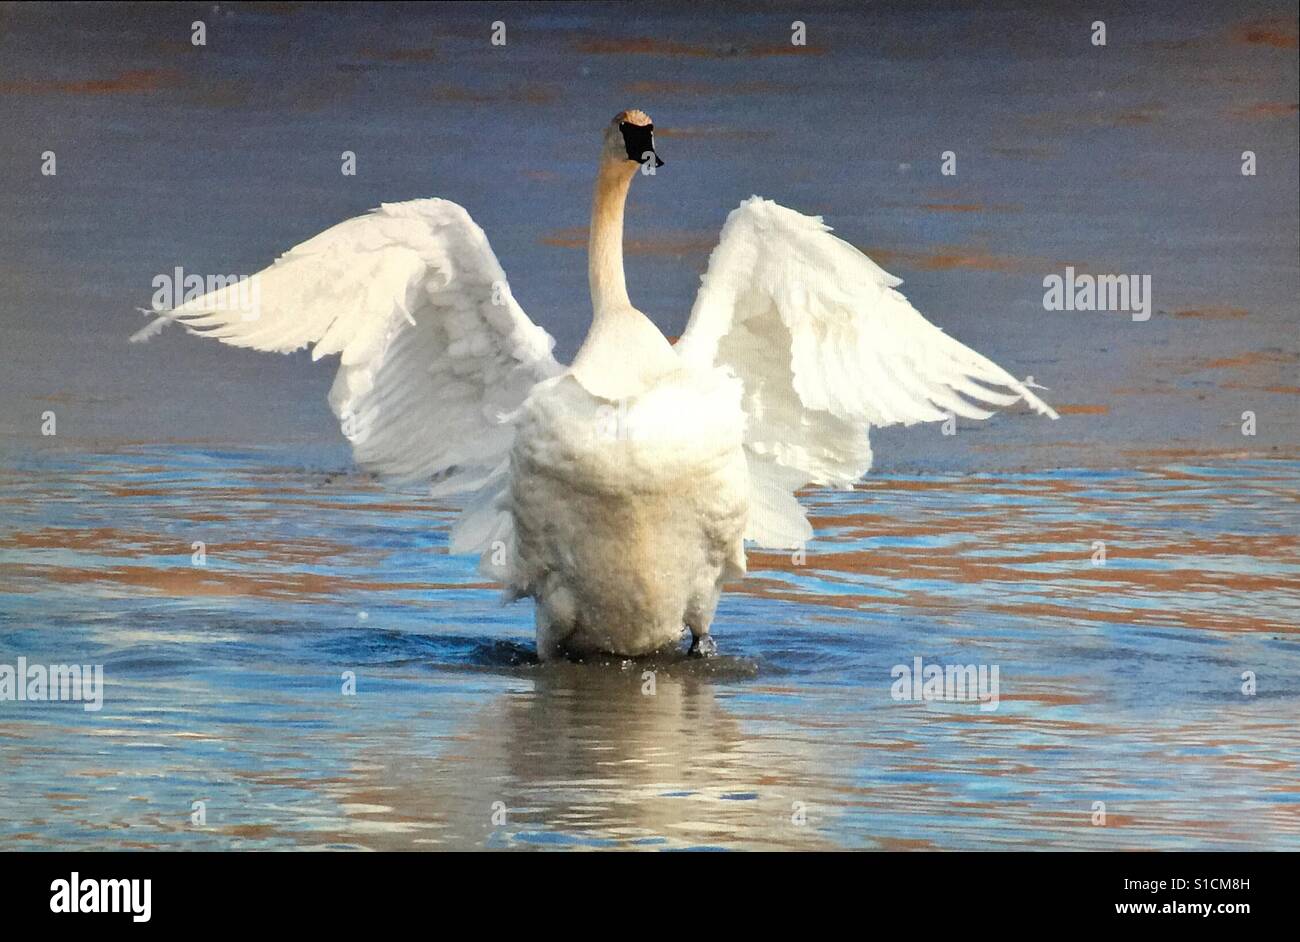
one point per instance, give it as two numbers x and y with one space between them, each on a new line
1119 683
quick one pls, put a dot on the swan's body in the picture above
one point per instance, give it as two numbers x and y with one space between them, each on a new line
629 515
618 493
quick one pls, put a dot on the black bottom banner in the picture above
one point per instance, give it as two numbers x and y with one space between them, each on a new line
1222 891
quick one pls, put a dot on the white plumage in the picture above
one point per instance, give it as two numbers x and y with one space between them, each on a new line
617 493
826 348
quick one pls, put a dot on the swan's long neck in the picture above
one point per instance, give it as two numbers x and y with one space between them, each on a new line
605 244
624 352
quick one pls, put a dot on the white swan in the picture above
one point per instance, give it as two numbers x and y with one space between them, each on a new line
618 493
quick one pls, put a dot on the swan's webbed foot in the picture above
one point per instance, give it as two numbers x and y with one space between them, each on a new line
702 646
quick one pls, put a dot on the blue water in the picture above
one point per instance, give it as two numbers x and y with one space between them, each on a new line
1119 683
1117 159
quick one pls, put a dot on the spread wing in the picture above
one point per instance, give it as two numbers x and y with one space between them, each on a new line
434 352
826 347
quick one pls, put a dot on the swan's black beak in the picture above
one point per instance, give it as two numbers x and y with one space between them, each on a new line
640 142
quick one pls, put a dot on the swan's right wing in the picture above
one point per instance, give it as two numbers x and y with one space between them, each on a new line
826 347
435 354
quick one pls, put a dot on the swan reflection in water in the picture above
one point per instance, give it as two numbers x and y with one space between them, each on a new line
632 753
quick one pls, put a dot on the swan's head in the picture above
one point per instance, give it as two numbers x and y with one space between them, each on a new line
630 136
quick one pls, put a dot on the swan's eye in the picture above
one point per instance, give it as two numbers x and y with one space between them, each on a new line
640 143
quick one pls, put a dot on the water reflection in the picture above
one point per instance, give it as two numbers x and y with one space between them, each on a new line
634 754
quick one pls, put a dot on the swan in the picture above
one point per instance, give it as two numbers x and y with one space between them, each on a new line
619 493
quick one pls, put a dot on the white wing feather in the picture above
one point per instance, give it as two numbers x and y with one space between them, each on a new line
435 354
826 347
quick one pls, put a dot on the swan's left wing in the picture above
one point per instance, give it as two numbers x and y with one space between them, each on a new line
435 354
826 347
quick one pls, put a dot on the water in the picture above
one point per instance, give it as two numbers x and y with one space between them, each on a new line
1117 159
1119 683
